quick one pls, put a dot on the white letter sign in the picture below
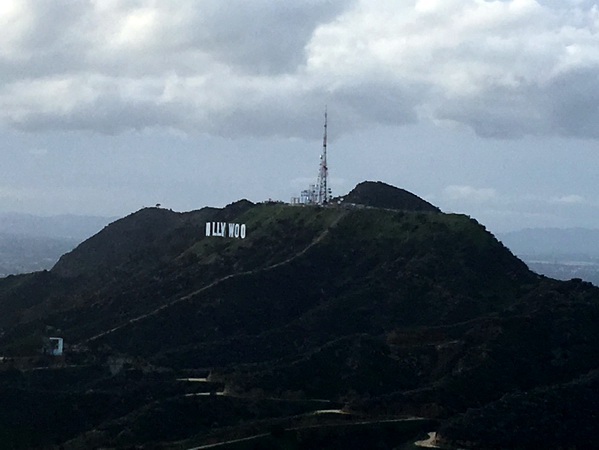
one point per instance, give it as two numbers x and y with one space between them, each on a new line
223 229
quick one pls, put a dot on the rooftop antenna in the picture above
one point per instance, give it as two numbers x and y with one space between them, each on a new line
323 192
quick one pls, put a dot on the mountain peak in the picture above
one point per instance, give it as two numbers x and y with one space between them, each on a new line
382 195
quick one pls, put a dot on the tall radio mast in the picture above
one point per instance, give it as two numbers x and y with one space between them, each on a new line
319 193
323 192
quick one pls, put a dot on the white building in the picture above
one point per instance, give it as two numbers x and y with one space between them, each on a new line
56 346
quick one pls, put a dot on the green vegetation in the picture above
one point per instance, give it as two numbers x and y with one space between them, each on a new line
559 416
388 312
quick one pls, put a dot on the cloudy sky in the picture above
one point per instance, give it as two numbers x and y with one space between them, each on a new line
489 108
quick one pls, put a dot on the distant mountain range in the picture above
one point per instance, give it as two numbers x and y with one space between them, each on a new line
22 254
322 327
30 243
59 226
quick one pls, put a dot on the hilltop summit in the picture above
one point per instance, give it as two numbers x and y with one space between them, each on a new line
377 194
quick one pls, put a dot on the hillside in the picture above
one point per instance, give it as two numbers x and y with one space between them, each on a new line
390 310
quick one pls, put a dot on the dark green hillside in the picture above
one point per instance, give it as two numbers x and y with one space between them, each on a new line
557 416
339 286
22 296
137 242
147 266
546 338
393 309
141 242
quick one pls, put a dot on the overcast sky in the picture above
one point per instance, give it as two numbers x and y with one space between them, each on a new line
490 108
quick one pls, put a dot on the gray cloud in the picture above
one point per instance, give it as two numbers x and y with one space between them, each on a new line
504 68
574 103
260 36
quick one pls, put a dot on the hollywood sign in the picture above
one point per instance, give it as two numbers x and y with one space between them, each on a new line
224 229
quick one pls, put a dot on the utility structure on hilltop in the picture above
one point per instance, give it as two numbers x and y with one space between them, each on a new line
319 193
323 192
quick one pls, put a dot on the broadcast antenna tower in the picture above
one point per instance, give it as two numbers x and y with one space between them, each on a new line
323 192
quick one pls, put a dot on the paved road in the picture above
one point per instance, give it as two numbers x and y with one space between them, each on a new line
258 436
430 442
